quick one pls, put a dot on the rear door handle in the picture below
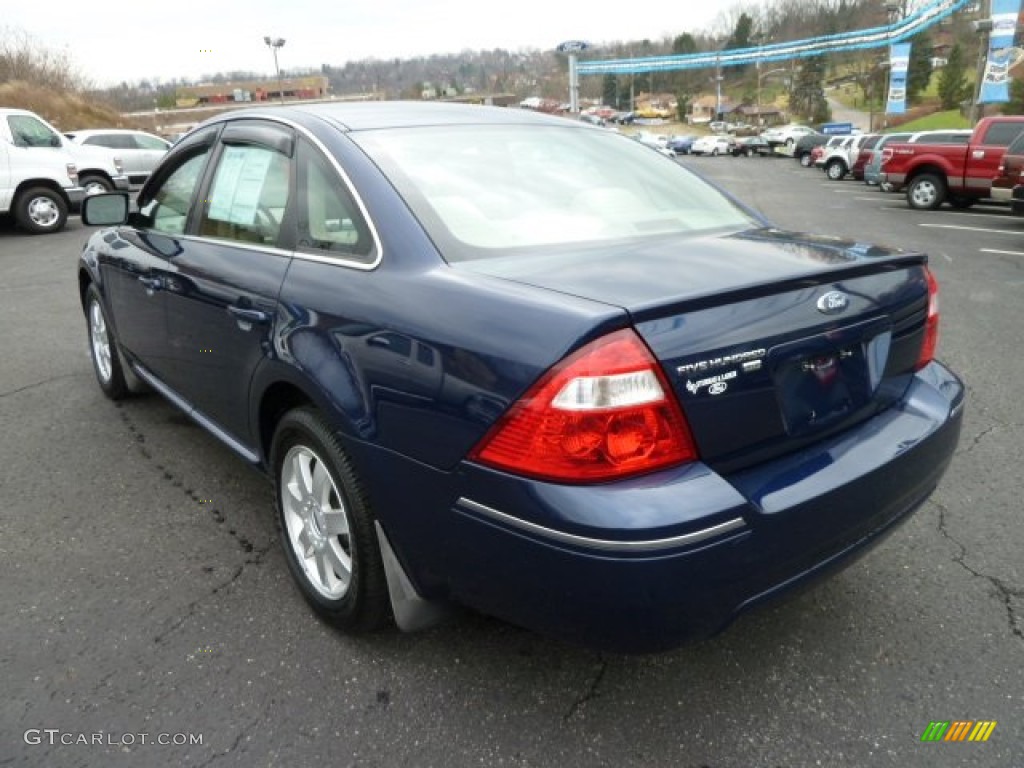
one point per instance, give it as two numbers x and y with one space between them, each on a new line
248 315
152 283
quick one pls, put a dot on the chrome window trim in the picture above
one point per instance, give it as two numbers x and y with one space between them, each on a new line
239 244
327 257
650 545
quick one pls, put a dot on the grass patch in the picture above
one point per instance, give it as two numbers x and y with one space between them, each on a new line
937 120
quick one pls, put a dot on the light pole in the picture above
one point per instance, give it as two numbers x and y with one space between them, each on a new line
274 43
892 12
761 75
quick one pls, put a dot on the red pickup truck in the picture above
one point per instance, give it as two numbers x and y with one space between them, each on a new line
961 175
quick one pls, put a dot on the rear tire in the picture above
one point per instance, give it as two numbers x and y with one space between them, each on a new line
40 210
806 160
95 185
926 192
962 203
327 525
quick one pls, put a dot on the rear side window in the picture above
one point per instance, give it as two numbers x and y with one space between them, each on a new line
1002 134
329 221
111 140
1017 147
142 141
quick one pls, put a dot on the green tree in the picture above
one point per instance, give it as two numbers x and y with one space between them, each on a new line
953 87
610 90
1016 103
682 106
686 80
919 71
807 97
741 38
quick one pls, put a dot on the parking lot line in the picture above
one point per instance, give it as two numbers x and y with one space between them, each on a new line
973 229
1002 253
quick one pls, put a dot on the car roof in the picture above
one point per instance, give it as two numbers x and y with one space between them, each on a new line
94 131
373 115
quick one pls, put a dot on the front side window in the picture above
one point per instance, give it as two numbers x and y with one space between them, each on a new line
167 209
249 195
29 131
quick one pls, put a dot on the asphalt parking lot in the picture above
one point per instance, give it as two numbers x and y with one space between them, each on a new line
145 599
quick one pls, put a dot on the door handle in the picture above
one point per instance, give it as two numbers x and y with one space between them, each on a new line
152 283
248 315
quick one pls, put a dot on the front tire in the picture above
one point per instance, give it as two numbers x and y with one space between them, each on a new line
835 170
327 525
103 349
40 210
926 192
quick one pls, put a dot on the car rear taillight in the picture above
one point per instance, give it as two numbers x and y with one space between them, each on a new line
931 323
603 413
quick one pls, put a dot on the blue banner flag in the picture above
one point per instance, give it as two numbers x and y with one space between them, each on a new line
995 85
899 63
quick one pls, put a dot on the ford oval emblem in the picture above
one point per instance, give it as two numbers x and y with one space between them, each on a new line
833 302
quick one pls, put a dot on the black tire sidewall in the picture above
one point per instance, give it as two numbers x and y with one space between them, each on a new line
365 605
116 387
21 210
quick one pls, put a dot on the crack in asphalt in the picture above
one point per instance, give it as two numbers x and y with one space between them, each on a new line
977 439
1004 591
591 692
238 740
254 554
40 384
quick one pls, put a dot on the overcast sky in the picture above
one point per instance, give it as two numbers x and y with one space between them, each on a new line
111 41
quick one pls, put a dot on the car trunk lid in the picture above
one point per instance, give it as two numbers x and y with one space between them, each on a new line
770 340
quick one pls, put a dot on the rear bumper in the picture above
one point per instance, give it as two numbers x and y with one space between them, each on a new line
654 562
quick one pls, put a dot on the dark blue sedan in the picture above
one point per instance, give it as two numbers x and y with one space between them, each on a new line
514 362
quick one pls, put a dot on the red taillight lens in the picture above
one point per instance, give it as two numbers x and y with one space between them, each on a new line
604 413
931 323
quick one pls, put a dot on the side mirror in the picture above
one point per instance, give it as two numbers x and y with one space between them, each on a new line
56 142
104 210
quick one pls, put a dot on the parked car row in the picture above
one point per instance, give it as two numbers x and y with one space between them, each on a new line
958 167
44 174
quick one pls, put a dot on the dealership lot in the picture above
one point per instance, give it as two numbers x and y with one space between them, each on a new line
145 593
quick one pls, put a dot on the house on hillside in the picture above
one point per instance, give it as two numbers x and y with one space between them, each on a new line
702 109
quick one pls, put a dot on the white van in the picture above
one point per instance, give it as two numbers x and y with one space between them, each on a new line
38 187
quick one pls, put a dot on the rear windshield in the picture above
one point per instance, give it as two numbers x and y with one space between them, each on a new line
489 191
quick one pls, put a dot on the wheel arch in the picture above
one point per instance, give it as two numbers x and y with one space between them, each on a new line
929 168
43 182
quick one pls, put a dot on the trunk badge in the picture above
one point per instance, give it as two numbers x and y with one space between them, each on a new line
833 302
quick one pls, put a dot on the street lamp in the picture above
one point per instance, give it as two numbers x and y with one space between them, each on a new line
761 75
274 43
